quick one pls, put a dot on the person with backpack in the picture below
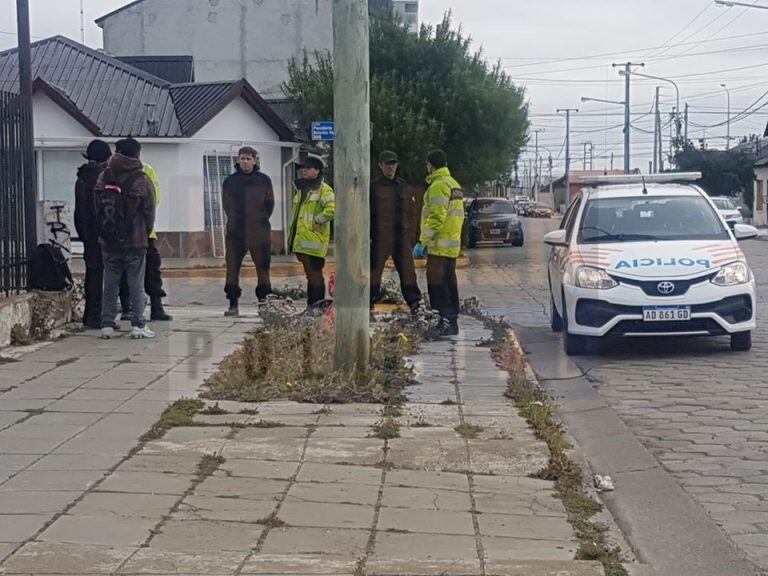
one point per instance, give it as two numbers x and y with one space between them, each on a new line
124 200
97 154
248 200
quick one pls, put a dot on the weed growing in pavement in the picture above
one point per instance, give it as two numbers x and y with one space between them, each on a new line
449 402
180 413
249 411
214 410
539 411
266 424
468 431
208 464
20 336
271 521
323 410
385 429
296 292
292 359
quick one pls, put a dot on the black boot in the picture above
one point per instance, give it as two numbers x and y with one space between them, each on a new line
158 312
234 310
448 326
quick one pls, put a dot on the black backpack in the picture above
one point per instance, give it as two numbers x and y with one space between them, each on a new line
112 218
48 270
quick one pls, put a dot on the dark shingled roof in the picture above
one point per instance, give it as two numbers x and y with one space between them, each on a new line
174 69
110 97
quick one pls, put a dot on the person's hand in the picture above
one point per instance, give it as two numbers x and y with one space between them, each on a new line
419 251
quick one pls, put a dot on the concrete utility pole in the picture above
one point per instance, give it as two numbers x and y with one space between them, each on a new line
27 126
551 184
82 21
352 175
567 151
538 171
728 117
656 127
686 122
627 72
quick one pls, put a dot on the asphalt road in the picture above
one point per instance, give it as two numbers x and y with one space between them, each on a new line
681 424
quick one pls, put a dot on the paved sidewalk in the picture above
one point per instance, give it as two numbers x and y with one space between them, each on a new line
298 490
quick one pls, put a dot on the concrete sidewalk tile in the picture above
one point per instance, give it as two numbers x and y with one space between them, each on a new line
12 463
77 462
316 541
362 451
19 527
360 494
162 463
57 558
544 503
67 405
21 405
99 530
100 394
240 468
527 527
500 549
443 455
435 547
428 479
407 567
124 505
339 473
426 499
326 515
343 431
511 484
52 481
426 521
434 414
8 418
508 458
207 535
147 483
544 568
18 502
152 561
224 509
245 488
304 564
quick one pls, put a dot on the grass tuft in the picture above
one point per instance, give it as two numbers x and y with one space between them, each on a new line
180 413
468 431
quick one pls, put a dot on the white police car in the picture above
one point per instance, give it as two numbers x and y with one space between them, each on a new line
648 256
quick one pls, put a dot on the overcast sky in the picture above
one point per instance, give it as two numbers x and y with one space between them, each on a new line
561 50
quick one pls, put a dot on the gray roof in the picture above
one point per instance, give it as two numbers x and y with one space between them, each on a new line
174 69
110 98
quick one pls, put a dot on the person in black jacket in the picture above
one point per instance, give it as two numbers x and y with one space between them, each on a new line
392 207
97 154
248 200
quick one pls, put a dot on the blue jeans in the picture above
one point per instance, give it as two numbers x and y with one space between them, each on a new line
133 265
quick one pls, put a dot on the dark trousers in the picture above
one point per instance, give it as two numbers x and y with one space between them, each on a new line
153 279
443 286
94 284
116 265
313 268
261 254
406 269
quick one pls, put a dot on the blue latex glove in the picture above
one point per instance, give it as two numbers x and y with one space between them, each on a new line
419 251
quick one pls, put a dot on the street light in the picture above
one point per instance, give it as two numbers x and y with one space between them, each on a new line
732 3
588 99
728 118
677 89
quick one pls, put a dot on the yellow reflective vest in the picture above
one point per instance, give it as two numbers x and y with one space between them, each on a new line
149 171
443 215
313 210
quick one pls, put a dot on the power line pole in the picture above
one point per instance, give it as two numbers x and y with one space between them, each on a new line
728 117
656 125
27 127
567 151
686 123
627 73
82 22
352 158
538 172
551 184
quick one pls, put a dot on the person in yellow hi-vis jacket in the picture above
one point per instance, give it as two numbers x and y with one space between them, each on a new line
314 207
442 219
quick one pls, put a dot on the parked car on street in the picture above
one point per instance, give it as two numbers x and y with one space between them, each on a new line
492 220
539 211
521 203
648 256
728 209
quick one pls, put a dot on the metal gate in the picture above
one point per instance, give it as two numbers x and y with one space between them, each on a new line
13 257
216 168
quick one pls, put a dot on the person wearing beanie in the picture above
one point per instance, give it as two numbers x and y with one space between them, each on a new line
441 222
314 207
392 208
96 154
249 201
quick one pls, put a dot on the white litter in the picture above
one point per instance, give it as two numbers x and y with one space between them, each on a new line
603 483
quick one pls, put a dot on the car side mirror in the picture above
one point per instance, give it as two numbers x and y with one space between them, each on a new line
556 238
745 232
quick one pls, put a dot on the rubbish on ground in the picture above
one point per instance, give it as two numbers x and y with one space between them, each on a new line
603 483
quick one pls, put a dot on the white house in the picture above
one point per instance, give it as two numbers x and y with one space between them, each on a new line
189 133
760 210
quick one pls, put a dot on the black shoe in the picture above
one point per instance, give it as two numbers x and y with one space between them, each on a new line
233 311
158 312
448 327
415 308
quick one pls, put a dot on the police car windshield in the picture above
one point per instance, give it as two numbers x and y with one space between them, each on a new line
644 218
494 207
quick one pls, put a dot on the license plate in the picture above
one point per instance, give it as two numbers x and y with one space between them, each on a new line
666 313
496 231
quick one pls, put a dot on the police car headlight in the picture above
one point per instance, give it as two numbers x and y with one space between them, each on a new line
595 278
732 275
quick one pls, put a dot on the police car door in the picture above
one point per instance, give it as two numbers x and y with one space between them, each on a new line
558 256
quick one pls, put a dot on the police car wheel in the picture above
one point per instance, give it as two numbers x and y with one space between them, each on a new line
555 320
741 341
574 344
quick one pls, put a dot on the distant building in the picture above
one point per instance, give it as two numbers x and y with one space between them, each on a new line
231 40
760 209
578 177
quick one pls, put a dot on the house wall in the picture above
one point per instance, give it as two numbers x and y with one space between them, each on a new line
760 210
228 40
52 122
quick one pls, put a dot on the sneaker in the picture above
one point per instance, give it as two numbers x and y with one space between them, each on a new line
448 327
141 333
107 333
233 312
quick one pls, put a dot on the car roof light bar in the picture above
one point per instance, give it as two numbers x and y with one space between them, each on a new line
665 178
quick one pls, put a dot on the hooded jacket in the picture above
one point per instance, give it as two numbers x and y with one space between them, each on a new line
85 213
139 201
248 201
442 217
314 207
393 208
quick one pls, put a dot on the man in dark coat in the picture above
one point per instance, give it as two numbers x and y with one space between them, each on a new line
97 154
248 200
392 209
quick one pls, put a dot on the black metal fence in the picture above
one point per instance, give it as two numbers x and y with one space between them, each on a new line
13 257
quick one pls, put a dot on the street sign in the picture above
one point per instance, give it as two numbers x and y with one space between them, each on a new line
323 131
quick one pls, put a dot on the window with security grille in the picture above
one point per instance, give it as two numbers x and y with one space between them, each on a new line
215 170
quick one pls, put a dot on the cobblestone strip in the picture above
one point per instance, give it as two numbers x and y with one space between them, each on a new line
275 513
470 476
